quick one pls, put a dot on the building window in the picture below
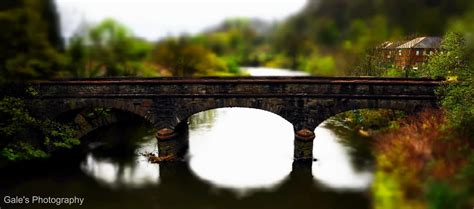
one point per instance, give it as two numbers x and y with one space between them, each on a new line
399 52
417 52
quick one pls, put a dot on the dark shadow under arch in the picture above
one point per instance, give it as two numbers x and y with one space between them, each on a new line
88 120
80 105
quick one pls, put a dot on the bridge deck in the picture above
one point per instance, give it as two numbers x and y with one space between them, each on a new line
238 87
253 80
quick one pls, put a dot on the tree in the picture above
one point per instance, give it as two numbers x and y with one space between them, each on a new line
108 49
184 58
293 40
30 41
346 28
455 63
238 40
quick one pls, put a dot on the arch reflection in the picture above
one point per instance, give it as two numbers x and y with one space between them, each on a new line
243 149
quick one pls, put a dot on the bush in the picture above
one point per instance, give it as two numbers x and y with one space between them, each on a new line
455 64
424 161
24 137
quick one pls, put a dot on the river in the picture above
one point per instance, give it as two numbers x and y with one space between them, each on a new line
222 170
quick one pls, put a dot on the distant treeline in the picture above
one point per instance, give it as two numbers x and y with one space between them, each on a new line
328 37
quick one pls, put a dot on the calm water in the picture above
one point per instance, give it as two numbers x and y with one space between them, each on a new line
238 158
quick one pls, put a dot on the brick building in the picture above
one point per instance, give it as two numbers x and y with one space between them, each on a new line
409 54
416 52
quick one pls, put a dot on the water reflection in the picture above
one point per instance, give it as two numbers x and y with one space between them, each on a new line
236 148
262 71
243 149
137 172
334 167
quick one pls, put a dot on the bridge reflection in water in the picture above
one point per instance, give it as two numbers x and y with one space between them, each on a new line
182 185
227 157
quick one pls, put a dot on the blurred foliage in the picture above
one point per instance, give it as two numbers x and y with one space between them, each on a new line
327 38
371 121
30 44
109 49
424 165
25 137
349 30
183 57
244 41
455 64
372 63
430 157
319 65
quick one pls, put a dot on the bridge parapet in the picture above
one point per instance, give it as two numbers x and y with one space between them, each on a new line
240 87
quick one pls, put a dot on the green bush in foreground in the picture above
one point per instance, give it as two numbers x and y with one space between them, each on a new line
455 64
24 137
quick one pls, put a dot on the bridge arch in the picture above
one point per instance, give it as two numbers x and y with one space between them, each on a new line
91 115
325 110
241 108
77 106
192 109
408 108
88 121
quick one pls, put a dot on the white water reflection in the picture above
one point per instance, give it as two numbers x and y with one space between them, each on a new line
334 168
134 174
243 149
263 71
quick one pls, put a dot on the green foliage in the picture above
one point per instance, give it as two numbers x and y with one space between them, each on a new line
393 72
319 65
431 170
455 63
22 151
98 112
232 66
241 40
30 90
386 191
109 49
278 61
29 41
25 137
345 29
372 119
452 61
182 57
440 195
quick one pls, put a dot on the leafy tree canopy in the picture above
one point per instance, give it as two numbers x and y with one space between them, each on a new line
30 42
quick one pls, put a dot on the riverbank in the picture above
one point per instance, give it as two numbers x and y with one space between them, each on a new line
423 164
420 160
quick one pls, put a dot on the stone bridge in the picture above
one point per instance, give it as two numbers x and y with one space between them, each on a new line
168 102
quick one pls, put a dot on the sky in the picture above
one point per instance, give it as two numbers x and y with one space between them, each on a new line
154 19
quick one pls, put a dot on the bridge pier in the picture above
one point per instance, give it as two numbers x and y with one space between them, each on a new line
302 170
173 143
304 145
